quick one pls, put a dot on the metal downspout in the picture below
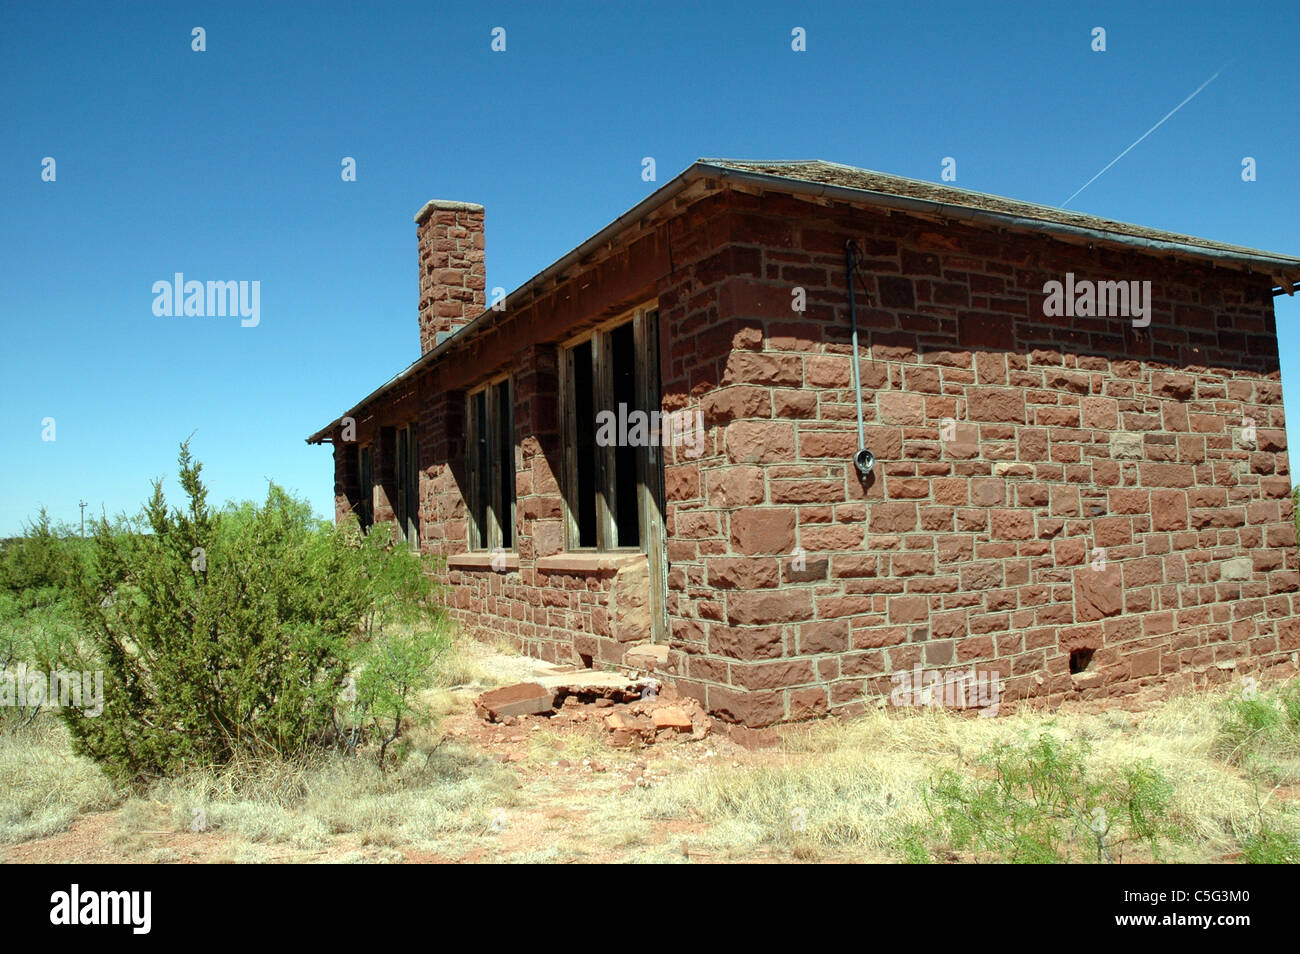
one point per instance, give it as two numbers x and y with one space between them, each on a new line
863 460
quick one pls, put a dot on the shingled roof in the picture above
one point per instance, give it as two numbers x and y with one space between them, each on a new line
887 187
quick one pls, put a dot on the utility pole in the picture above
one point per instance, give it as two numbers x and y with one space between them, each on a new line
83 519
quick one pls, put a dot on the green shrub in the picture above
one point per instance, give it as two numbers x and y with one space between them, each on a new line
231 633
1268 846
37 568
37 571
1260 732
1039 804
392 668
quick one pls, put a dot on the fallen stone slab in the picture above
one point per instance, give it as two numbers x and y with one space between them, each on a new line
521 699
671 717
649 657
581 679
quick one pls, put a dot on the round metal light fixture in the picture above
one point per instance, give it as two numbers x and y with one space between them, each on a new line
864 461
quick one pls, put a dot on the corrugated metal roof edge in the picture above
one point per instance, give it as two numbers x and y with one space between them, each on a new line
718 168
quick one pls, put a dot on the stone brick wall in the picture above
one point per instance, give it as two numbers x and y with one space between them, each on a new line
557 609
1043 485
1098 489
347 481
575 608
453 272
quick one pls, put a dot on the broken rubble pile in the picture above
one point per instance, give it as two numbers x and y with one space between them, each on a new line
544 694
656 720
634 710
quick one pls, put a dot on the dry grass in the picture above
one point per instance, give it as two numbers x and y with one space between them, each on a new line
44 787
479 659
832 790
448 792
462 665
573 743
855 788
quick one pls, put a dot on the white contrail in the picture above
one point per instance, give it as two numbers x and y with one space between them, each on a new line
1145 134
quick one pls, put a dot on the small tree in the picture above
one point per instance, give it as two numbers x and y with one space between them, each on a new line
36 567
394 652
393 668
36 571
225 633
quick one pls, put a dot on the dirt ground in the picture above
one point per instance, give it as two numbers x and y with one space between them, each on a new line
550 808
555 789
553 795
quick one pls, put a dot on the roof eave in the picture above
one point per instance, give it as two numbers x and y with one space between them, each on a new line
1276 266
1266 262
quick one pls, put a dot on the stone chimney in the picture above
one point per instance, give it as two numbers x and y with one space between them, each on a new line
453 277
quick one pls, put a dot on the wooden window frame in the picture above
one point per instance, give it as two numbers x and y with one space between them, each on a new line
490 484
406 476
366 488
649 458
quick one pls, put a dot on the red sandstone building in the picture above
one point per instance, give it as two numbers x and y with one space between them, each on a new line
1086 502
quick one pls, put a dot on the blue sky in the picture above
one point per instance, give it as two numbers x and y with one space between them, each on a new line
225 165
